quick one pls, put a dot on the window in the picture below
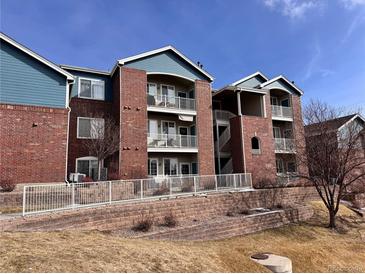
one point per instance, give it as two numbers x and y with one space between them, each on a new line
274 101
288 134
255 145
87 166
279 166
194 168
91 89
90 128
276 132
291 167
152 167
152 89
285 102
184 168
170 166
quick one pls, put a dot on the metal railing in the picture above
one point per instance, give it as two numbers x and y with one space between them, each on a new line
283 144
224 137
281 111
47 198
223 115
171 140
165 101
228 167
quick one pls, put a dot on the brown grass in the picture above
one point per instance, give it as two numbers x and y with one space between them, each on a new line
311 246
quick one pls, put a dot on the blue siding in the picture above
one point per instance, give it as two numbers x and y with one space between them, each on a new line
281 84
90 75
252 82
24 80
167 62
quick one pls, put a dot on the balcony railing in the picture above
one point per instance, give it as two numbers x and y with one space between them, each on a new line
172 102
223 115
171 141
284 145
282 112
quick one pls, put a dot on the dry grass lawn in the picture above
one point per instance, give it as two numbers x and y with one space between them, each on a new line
311 246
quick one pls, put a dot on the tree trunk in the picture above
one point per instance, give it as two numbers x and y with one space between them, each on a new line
332 223
99 169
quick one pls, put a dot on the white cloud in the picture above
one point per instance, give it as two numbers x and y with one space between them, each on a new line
291 8
349 4
355 23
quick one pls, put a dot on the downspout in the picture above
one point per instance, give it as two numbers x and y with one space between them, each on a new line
68 123
241 129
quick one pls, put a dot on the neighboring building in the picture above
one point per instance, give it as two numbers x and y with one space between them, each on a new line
257 125
338 130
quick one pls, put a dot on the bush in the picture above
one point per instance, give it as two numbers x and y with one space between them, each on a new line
144 224
162 190
87 179
187 188
170 220
7 185
245 212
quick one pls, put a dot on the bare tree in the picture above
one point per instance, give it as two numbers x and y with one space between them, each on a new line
335 158
105 140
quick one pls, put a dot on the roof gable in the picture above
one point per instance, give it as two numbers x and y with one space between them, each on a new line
251 81
166 60
35 56
281 82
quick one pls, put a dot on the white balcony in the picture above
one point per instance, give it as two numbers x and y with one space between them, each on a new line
283 145
171 143
171 104
282 113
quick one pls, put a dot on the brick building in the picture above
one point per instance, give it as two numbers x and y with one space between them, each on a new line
162 103
257 123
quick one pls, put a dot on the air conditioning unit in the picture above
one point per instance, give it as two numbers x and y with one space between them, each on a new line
76 177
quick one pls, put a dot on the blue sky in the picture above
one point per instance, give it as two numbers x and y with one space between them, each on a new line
319 44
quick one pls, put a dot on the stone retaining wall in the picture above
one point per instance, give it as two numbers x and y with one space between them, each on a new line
116 216
227 227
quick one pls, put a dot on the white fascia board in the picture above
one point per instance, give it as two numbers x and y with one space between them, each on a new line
156 51
43 60
85 69
249 77
351 120
283 78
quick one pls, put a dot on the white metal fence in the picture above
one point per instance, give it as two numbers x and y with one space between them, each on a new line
165 101
171 140
281 111
284 144
45 198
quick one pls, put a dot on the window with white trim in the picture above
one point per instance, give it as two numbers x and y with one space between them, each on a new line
152 166
88 166
90 128
91 89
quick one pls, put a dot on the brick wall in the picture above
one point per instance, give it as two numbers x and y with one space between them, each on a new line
204 126
83 108
187 208
236 144
299 133
133 123
32 154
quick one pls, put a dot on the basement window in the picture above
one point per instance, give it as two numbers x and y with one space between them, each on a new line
91 89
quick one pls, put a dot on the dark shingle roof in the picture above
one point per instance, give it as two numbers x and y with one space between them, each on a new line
333 124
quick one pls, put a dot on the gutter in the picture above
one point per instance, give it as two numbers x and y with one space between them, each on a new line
68 84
